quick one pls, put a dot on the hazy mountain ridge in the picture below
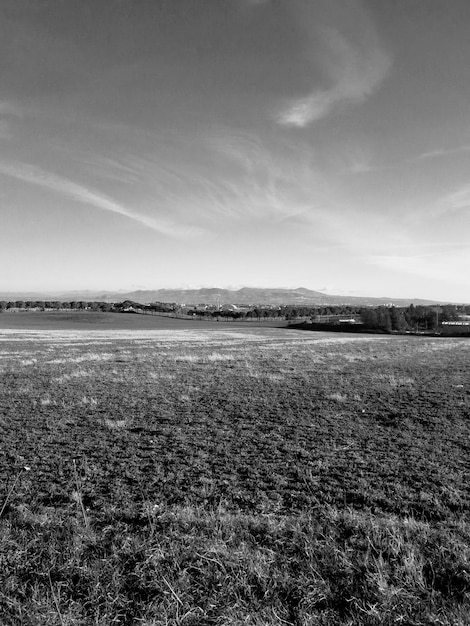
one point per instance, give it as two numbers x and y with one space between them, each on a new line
214 295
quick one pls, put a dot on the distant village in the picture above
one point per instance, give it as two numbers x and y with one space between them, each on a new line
437 319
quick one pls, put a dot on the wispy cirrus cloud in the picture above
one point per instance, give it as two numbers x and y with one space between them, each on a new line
8 110
450 265
351 59
283 183
439 153
456 201
262 180
302 111
47 180
221 176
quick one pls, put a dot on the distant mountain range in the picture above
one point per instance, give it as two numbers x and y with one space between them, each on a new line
246 295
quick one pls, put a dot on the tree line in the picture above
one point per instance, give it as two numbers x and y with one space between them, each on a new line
382 318
82 305
411 318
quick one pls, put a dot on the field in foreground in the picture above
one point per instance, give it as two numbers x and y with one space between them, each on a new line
233 476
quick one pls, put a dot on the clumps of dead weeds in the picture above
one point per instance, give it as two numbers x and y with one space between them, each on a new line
160 564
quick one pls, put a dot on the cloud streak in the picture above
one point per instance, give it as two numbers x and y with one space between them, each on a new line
445 266
353 63
282 185
8 110
456 201
433 154
57 184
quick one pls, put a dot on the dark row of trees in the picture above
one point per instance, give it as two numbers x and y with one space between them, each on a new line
43 305
382 318
411 318
256 313
282 312
25 305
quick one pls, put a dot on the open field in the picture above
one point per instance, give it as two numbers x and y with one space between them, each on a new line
220 475
90 320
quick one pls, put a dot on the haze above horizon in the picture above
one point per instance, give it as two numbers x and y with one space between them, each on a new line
248 142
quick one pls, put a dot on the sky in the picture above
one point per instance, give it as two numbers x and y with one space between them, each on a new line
268 143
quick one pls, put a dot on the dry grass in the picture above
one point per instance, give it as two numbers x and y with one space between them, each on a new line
242 477
198 566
